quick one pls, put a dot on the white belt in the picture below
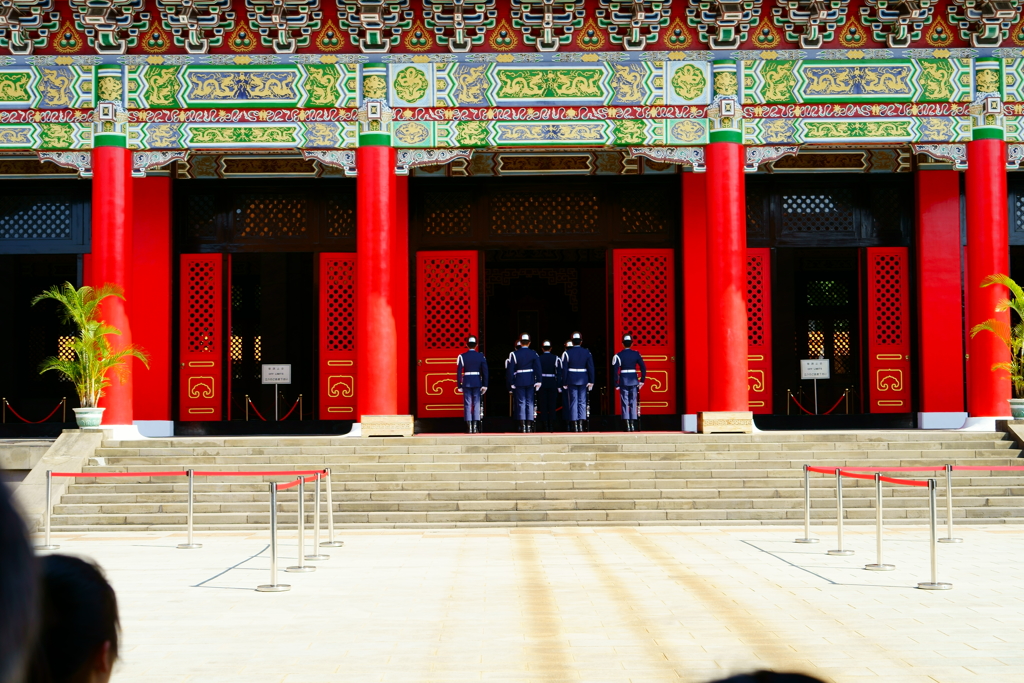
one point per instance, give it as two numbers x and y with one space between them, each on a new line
467 374
547 375
522 371
633 371
577 369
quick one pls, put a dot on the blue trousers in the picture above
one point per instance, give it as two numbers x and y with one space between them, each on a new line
547 403
471 404
629 398
523 403
576 402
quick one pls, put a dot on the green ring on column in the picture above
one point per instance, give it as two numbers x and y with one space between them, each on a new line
374 140
987 133
726 136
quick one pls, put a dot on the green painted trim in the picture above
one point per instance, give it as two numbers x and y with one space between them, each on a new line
987 134
110 140
377 65
724 62
374 140
726 136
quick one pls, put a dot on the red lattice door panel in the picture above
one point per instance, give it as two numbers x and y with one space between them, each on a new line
887 330
201 389
447 311
759 330
337 339
644 306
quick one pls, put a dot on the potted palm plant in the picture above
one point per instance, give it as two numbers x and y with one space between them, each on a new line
94 356
1012 335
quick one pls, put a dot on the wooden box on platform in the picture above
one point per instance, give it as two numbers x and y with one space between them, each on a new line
740 421
386 425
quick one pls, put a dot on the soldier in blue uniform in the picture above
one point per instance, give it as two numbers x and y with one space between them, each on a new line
577 380
472 377
625 367
525 375
550 386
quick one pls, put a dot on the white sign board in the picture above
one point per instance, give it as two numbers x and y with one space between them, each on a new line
816 368
277 374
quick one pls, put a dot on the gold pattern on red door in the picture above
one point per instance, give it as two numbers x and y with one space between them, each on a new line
759 330
201 339
337 339
888 330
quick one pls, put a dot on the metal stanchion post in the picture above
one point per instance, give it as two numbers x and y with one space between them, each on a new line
317 555
949 509
273 586
934 584
807 510
46 519
330 542
839 516
191 495
878 566
302 566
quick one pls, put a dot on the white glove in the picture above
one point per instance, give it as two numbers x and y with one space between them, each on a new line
640 386
589 387
512 388
458 390
559 389
483 390
536 387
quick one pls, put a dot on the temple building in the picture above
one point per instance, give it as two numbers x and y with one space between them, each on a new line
352 187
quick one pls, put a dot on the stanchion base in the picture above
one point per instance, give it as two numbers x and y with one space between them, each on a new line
319 556
297 570
273 588
929 586
189 546
47 547
842 553
805 540
879 567
951 540
332 544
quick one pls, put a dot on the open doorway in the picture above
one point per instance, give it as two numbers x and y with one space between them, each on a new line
548 294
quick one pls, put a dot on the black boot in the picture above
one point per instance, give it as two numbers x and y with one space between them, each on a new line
522 426
578 426
636 425
476 426
469 427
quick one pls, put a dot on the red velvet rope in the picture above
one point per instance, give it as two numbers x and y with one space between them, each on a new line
931 468
259 474
283 473
15 413
290 411
800 406
255 409
827 412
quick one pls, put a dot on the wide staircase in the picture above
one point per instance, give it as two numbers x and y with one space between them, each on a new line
541 479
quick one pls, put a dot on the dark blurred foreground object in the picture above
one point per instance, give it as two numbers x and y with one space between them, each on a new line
79 630
770 677
18 592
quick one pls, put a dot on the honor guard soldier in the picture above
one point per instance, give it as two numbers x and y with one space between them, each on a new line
625 367
525 374
550 385
577 380
472 377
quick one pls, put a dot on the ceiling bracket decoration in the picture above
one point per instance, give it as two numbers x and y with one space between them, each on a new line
811 22
547 24
344 159
111 26
458 25
197 25
634 23
986 23
721 24
762 155
412 158
80 160
685 156
284 25
955 154
144 161
26 24
375 25
897 22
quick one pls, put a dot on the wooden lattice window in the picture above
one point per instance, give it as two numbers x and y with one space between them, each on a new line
448 213
28 217
643 213
819 211
447 293
755 300
339 316
271 216
202 306
545 214
645 286
202 216
341 219
887 274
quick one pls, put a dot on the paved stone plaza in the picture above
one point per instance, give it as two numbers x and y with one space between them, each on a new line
566 604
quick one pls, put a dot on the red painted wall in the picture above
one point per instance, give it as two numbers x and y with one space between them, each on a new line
400 282
940 349
151 296
695 293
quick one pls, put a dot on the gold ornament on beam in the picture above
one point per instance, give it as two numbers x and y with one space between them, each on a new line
939 34
678 36
242 39
330 39
418 38
503 38
853 34
590 37
67 40
765 36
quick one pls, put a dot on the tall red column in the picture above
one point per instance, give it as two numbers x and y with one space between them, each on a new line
111 264
695 294
377 324
400 289
988 252
727 248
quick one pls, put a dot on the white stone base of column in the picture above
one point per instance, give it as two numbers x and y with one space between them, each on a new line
941 420
725 422
118 432
355 431
155 428
690 422
386 425
983 424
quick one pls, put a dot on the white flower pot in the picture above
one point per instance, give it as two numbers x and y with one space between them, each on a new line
88 417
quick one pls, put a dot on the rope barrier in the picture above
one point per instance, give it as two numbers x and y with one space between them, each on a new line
932 468
1000 468
829 411
290 411
800 406
268 473
255 409
31 422
844 471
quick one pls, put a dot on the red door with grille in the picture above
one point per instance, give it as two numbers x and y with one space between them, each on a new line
447 311
337 338
887 330
759 330
644 306
202 337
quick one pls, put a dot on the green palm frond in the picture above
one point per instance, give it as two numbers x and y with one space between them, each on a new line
1011 335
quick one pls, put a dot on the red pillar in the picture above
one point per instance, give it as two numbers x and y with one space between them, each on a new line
111 263
695 293
726 255
988 252
400 289
939 303
376 318
150 308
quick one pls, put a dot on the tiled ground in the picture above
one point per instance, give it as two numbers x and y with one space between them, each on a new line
572 604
